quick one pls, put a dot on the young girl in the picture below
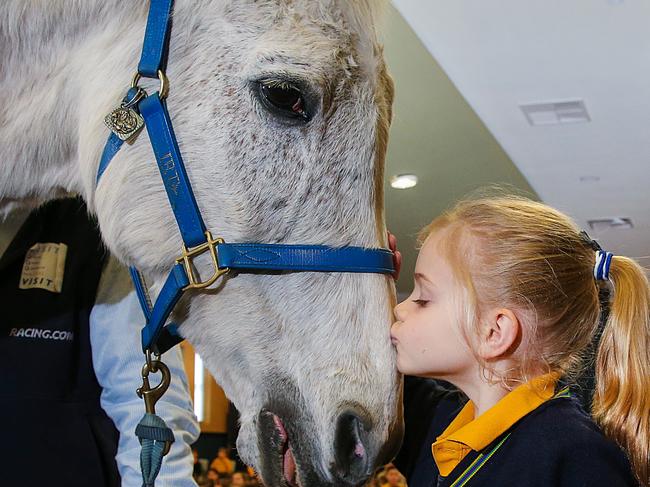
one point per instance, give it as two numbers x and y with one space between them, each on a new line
506 309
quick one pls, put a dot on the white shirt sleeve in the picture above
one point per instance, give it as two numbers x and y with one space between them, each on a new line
115 324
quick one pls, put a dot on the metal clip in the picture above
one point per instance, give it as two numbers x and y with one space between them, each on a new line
151 396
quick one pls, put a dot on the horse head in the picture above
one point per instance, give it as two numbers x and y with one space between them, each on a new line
281 109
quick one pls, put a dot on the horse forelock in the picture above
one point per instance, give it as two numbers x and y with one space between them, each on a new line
343 28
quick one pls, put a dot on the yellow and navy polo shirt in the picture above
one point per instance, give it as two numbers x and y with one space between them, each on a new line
465 433
533 437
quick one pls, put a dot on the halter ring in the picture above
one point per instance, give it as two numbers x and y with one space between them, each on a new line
164 83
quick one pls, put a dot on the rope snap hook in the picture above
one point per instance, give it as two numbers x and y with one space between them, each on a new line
146 392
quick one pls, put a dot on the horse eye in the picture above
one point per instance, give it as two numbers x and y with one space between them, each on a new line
283 99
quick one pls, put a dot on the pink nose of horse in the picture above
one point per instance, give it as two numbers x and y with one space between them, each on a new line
351 447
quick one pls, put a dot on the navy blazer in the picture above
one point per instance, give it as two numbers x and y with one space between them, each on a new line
556 445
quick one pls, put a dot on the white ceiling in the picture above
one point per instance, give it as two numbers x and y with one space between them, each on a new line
502 53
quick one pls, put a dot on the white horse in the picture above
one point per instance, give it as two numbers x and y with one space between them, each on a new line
281 109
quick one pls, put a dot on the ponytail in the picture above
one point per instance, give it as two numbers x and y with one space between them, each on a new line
621 403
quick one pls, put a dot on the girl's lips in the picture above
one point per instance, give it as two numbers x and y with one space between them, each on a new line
393 338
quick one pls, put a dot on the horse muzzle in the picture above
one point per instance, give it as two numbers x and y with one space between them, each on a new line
291 453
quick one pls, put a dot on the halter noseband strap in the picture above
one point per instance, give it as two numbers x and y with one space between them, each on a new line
241 257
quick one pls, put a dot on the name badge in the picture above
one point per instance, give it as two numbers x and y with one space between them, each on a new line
44 267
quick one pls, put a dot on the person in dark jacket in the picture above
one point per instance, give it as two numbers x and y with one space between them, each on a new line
504 309
70 360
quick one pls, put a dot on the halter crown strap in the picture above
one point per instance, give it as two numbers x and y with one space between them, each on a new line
156 39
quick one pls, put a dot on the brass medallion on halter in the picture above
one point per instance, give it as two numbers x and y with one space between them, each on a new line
124 121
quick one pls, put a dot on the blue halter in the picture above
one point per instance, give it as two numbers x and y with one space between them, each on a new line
242 257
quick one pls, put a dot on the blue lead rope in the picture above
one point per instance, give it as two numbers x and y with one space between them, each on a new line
155 437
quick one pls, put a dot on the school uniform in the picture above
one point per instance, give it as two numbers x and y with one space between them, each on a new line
536 436
70 361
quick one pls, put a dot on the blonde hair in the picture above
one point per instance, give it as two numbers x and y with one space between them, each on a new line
524 255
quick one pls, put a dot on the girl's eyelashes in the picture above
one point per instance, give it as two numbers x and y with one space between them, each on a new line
420 302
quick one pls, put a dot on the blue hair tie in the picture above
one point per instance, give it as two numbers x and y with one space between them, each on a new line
603 258
601 267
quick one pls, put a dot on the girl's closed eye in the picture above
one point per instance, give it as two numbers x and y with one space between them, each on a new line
421 302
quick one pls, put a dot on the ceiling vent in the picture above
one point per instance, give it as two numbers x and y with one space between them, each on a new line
556 112
618 223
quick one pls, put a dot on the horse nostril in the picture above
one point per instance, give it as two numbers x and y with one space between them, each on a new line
350 444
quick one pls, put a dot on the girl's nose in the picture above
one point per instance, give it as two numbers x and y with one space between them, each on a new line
399 310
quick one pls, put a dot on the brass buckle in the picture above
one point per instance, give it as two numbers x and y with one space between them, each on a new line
189 254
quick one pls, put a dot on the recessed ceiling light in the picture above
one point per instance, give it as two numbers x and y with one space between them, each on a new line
403 181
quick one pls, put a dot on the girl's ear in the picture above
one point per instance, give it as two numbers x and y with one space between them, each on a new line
500 334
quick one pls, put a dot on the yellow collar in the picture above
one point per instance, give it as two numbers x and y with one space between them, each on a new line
465 433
